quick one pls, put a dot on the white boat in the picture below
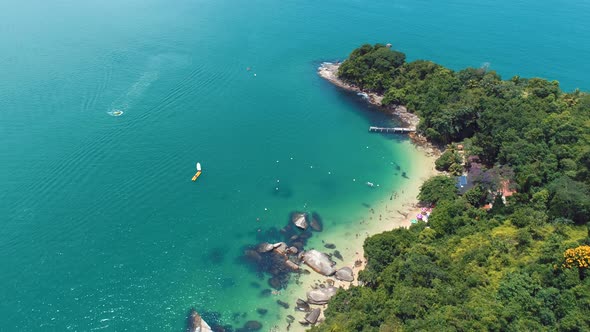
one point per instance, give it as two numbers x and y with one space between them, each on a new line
370 184
198 172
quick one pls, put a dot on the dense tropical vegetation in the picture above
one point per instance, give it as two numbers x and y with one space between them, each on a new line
519 266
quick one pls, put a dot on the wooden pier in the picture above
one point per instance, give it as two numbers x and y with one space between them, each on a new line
395 130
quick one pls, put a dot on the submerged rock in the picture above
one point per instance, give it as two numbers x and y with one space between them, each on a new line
261 311
321 295
283 304
275 283
252 325
338 255
313 316
299 220
319 262
298 245
292 265
253 256
344 274
330 246
281 248
316 222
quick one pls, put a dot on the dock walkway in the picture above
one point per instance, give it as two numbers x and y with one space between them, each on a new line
395 130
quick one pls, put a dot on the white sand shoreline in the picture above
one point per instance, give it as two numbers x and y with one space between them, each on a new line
387 214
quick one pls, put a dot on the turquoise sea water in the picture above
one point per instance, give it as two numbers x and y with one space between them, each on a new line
101 227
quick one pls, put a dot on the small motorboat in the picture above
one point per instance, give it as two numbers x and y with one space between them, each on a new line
198 172
370 184
115 113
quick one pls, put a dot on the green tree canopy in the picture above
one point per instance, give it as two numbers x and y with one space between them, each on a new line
437 189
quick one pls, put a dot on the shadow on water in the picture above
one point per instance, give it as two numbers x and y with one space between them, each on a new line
282 191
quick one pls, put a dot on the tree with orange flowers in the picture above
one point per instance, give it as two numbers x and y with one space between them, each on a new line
577 257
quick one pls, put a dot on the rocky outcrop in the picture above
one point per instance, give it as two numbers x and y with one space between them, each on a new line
319 262
280 248
344 274
301 305
299 220
264 247
196 323
321 295
329 71
313 316
292 265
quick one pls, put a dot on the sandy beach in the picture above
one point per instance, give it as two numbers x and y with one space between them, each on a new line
394 210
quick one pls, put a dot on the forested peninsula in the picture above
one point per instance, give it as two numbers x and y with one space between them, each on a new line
507 245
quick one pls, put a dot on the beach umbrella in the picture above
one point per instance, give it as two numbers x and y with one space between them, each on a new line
419 216
413 221
424 210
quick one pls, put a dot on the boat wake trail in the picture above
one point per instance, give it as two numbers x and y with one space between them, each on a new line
125 101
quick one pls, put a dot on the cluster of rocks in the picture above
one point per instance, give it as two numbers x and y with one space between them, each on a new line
195 322
280 260
284 258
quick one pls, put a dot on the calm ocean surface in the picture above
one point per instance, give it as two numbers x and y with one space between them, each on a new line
101 227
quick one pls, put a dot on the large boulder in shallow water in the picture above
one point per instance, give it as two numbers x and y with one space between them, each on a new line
264 247
280 248
344 274
302 306
196 323
252 325
321 295
299 219
253 256
313 316
292 265
319 262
